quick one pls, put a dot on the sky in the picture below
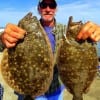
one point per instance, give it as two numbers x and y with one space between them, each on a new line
11 11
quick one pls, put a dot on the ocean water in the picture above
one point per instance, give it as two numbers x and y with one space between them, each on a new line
98 48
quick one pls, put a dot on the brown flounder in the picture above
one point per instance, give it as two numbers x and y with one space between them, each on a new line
28 67
77 61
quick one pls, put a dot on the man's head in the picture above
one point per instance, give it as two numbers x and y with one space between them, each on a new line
47 9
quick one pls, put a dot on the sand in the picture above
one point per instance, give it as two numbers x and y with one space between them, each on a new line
93 93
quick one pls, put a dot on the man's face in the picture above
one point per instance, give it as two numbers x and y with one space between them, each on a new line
47 10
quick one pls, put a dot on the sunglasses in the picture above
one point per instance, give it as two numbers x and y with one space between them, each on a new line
44 5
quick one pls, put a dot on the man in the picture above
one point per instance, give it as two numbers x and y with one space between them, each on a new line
47 10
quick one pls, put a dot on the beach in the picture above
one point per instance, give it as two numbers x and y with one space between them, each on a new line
93 93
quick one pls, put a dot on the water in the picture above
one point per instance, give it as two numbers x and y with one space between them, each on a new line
98 48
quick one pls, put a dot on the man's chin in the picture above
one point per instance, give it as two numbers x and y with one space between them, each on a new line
48 19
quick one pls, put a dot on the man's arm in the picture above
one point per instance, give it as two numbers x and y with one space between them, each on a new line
1 44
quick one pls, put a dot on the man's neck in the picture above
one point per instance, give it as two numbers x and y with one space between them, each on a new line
48 23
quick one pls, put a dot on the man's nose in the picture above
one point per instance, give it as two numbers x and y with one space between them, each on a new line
48 8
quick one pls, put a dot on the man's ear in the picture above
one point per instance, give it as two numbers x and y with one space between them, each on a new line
38 8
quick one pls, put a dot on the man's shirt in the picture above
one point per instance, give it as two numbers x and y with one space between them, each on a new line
1 92
51 36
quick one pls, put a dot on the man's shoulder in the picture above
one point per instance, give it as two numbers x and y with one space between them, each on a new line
60 25
59 28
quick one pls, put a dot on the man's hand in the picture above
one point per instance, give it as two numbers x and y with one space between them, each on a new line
12 33
90 30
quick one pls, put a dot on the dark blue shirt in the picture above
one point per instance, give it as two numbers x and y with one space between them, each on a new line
1 92
51 36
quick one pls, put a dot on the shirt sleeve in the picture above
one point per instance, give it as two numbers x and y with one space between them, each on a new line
1 44
1 92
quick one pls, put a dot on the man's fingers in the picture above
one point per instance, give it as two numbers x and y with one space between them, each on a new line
86 30
8 44
89 32
15 28
14 34
14 31
10 39
96 35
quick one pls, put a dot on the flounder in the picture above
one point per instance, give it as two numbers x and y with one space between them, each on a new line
77 61
28 67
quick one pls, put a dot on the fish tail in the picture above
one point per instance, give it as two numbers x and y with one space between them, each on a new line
77 97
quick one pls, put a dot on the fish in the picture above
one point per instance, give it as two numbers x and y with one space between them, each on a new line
28 67
77 61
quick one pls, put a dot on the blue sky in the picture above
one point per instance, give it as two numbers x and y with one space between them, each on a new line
11 11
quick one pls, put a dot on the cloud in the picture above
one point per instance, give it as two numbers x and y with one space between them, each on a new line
80 11
11 15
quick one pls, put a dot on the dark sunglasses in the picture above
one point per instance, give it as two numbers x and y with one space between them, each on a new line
44 5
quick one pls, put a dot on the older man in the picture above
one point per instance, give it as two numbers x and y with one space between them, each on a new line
47 10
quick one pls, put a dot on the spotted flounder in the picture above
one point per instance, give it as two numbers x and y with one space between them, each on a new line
28 67
77 61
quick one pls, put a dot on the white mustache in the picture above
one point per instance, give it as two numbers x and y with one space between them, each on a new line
47 13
